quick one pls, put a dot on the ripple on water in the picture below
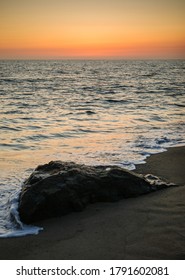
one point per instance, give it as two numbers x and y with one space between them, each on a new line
93 112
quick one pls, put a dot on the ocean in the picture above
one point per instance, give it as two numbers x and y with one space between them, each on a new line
115 112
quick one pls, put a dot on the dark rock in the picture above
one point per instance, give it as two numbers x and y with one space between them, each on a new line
57 188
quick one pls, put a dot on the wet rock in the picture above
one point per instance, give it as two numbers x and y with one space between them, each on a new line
58 188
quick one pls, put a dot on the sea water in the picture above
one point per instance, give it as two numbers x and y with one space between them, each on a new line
93 112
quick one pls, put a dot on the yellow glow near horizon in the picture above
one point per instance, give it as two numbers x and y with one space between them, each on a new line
99 28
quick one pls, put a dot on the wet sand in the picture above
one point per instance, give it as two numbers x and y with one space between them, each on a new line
147 227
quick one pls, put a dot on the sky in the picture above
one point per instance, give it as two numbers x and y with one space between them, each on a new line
52 29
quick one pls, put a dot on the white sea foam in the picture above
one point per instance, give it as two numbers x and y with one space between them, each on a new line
12 226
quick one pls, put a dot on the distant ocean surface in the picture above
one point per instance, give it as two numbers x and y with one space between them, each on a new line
92 112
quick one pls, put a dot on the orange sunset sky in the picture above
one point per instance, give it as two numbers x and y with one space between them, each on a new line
46 29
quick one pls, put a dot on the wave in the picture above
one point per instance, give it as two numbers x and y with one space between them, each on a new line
150 75
14 146
89 112
17 228
10 128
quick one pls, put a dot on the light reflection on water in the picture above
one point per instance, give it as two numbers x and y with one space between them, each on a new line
93 112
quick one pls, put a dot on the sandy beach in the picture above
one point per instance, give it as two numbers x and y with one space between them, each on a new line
147 227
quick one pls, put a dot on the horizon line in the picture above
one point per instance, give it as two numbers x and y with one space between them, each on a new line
92 58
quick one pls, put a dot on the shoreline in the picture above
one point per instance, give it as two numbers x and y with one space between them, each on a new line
168 165
147 227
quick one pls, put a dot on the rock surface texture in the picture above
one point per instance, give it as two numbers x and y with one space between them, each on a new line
58 188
